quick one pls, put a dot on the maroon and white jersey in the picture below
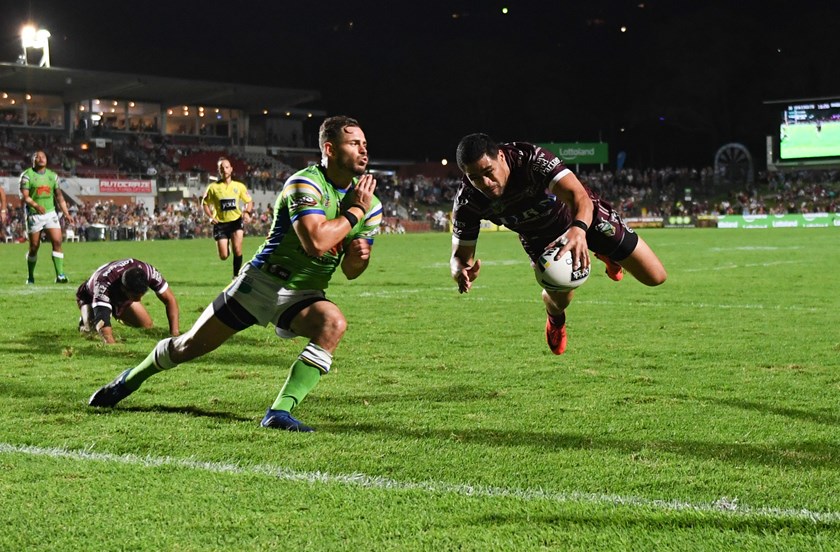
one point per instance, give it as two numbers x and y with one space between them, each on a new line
529 209
103 288
526 207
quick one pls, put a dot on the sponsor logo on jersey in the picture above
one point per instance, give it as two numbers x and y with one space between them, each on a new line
541 165
605 228
303 201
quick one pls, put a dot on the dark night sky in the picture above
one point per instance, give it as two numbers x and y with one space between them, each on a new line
685 78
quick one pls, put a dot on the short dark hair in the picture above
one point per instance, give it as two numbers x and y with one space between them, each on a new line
134 280
332 127
473 147
36 152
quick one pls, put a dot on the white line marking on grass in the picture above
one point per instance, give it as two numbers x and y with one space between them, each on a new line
671 306
745 265
497 262
704 305
407 291
37 290
724 505
653 304
756 248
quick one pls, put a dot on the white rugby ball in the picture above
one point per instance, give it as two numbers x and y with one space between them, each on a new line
559 275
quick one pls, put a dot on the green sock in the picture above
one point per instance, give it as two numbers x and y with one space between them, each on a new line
142 372
30 265
58 263
302 379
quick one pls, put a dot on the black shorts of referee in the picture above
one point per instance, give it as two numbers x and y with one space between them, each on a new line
225 230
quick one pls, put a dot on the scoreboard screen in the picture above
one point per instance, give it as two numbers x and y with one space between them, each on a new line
810 130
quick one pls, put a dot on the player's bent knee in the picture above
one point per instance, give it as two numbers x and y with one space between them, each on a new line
183 348
656 278
335 326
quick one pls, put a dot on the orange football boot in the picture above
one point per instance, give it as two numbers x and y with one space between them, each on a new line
555 336
614 270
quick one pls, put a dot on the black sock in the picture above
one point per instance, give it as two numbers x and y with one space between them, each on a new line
237 264
557 319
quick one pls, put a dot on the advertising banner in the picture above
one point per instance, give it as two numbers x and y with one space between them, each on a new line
125 186
579 153
796 220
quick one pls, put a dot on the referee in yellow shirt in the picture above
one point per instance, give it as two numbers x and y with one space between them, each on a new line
221 202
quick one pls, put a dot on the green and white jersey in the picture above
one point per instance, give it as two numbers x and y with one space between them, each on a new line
308 192
41 188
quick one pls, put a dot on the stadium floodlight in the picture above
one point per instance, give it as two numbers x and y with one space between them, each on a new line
38 39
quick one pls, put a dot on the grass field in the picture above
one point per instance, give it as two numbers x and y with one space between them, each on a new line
803 140
700 415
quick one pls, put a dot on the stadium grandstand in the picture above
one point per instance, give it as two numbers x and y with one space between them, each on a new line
135 153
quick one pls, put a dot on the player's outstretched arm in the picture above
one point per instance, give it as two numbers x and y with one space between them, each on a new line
571 192
172 311
464 267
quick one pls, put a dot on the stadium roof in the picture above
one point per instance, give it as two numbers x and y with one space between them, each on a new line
76 85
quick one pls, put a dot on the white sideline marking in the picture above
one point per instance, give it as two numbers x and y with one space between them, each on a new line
756 248
744 265
454 291
725 505
38 289
497 262
706 305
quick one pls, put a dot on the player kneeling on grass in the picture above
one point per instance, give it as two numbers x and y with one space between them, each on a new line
530 191
325 217
116 288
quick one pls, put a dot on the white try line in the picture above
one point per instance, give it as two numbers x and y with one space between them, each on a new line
453 292
29 290
724 505
733 266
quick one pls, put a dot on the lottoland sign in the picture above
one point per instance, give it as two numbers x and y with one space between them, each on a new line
579 153
806 220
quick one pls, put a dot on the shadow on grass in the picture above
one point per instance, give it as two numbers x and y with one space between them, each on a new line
181 410
826 418
262 353
794 455
758 525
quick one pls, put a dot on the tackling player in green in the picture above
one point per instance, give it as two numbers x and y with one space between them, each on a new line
324 218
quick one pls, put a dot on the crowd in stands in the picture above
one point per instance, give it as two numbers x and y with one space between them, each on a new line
419 199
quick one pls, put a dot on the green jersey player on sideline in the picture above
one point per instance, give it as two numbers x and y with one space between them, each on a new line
325 218
40 193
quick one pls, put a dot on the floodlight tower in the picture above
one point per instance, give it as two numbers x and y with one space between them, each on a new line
38 39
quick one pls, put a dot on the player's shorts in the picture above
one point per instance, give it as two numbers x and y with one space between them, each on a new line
608 234
254 297
84 297
225 230
35 223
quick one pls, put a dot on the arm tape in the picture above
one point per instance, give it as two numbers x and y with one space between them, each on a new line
101 317
580 224
351 218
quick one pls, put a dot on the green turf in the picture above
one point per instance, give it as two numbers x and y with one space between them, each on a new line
700 415
803 140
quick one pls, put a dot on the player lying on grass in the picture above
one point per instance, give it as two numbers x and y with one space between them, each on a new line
325 217
530 191
116 288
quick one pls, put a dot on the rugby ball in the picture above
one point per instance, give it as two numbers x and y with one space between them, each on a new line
558 275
